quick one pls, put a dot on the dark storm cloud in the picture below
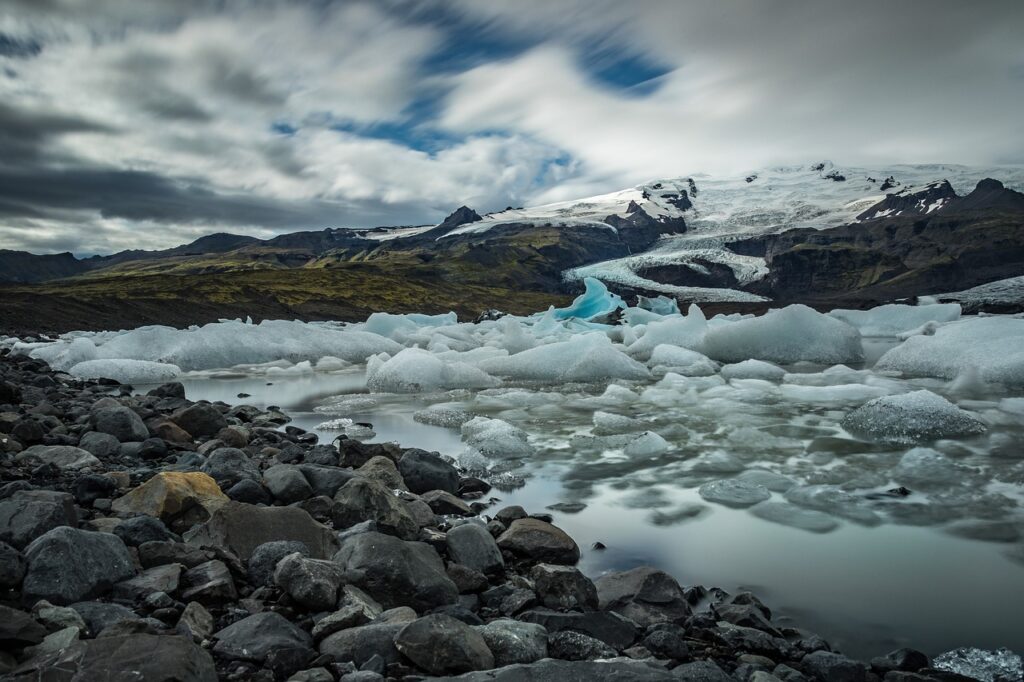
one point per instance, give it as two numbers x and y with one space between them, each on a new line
24 132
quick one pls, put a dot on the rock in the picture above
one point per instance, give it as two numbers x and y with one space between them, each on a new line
361 499
64 457
157 579
441 644
752 641
833 667
701 671
12 566
326 480
425 471
286 483
563 587
506 515
255 637
249 492
200 420
354 608
234 436
318 675
904 660
466 579
55 642
360 644
575 646
421 512
195 622
734 492
241 528
28 432
619 670
667 643
384 471
471 545
644 595
511 641
28 514
446 504
121 422
396 572
171 432
312 583
67 565
98 616
617 632
123 658
140 529
265 557
228 466
161 553
180 500
18 629
210 581
91 487
539 541
172 389
102 445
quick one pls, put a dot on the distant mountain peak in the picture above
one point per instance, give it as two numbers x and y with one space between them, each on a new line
460 216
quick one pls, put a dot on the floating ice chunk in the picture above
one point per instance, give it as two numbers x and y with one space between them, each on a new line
414 370
835 501
126 371
687 332
793 334
1010 405
753 369
661 305
682 360
67 353
911 418
831 395
924 467
769 479
496 438
442 415
329 363
606 423
298 369
993 345
733 492
348 427
588 357
514 337
400 326
596 300
892 319
648 444
717 463
1001 665
797 517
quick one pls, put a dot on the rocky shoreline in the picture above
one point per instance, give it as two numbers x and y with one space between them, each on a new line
149 537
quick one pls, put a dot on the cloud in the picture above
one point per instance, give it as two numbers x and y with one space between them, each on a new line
152 122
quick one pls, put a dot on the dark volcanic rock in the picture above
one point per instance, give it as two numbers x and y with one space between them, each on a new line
539 541
511 641
264 559
27 514
312 583
424 471
361 499
228 466
579 671
575 646
141 529
12 566
441 644
200 420
360 644
18 629
396 572
255 637
67 565
645 595
471 545
826 665
241 528
611 628
564 587
120 422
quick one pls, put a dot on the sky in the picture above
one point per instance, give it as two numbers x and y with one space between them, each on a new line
148 123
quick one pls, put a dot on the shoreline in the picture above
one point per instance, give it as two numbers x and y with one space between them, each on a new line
192 492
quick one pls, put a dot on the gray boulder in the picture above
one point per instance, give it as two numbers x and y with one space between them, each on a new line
265 557
826 665
326 480
286 483
18 629
575 646
364 499
140 529
102 445
645 595
312 583
471 545
121 422
28 514
617 632
256 637
360 644
511 641
157 579
441 644
396 572
64 457
619 670
563 587
98 616
537 540
354 608
200 420
12 566
424 471
241 528
67 565
228 466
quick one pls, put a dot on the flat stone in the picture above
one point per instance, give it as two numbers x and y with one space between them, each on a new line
157 579
241 528
64 457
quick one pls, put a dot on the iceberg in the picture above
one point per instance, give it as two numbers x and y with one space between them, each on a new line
126 371
893 319
587 357
414 370
595 301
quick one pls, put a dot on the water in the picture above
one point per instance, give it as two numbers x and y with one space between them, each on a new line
868 588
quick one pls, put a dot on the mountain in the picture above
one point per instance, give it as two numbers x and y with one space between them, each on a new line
815 233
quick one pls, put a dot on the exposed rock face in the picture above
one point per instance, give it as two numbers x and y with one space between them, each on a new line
66 565
908 245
